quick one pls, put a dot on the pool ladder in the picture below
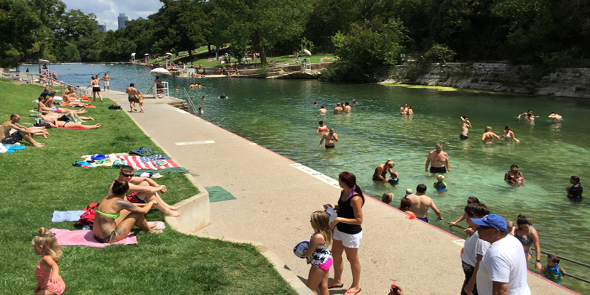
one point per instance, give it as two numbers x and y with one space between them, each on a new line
191 105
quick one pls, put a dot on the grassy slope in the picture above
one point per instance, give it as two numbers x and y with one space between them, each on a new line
37 181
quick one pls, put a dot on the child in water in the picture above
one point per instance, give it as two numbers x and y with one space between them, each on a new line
49 281
553 271
387 197
318 254
440 185
409 192
519 180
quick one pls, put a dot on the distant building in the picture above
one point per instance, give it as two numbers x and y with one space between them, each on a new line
123 18
102 28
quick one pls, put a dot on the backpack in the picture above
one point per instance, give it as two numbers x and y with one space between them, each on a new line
87 218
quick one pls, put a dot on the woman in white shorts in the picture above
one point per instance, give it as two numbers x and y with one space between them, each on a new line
347 231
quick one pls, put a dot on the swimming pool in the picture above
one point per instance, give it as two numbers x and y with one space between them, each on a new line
279 115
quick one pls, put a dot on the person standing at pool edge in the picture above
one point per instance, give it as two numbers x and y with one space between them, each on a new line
438 161
421 203
464 125
348 232
330 137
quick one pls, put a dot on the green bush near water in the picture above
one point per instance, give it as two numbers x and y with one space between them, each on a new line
37 181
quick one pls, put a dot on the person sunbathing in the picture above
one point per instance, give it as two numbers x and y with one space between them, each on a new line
42 108
115 216
71 125
21 132
146 190
65 117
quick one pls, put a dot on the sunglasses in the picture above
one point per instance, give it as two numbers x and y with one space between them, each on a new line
126 175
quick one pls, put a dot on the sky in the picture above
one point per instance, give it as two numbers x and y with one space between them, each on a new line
107 11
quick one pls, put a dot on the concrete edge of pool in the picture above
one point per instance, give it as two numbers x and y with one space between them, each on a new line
264 208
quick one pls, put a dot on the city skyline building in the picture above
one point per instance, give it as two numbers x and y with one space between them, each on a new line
123 18
102 27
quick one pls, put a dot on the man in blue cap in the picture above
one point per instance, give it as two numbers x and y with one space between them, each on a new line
503 269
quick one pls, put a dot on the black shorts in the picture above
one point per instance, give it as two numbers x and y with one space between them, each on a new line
463 136
96 89
63 118
438 170
330 146
13 138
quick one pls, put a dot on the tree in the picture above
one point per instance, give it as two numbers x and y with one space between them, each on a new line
265 22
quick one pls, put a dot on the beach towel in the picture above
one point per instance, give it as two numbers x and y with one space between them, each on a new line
217 194
61 216
154 158
162 171
137 164
86 238
75 127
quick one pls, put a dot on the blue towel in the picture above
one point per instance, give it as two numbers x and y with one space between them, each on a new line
61 216
15 147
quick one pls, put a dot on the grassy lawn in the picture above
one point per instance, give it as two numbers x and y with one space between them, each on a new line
38 181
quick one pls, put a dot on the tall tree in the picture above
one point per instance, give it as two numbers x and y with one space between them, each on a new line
265 22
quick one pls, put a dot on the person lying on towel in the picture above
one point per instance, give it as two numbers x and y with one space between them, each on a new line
145 189
115 216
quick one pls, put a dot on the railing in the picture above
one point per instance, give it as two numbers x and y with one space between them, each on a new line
191 105
545 252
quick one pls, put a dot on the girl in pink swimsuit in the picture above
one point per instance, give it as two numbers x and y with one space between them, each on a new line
49 281
318 254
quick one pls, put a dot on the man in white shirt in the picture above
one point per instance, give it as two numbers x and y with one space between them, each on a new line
503 269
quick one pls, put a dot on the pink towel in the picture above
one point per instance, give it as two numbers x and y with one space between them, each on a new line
85 238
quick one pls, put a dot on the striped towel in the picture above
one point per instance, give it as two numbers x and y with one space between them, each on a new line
137 164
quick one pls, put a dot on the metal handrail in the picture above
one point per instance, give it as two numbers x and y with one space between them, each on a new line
190 102
545 252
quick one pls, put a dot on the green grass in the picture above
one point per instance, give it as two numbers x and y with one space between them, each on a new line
37 181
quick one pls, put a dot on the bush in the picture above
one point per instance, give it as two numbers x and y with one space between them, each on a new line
263 71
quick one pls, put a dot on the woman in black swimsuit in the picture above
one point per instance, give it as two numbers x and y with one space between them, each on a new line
95 83
528 236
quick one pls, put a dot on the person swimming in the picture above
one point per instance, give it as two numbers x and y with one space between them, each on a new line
322 128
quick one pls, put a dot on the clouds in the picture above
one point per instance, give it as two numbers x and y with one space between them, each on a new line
107 11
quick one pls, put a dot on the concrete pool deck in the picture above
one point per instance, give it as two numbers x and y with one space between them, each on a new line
276 196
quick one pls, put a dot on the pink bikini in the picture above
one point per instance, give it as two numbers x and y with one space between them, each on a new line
43 279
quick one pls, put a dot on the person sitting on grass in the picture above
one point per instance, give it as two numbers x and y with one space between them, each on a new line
115 216
21 132
146 190
43 108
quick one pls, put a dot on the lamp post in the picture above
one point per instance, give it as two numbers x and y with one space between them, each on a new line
215 31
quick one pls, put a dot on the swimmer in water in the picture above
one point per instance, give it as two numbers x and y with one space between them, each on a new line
488 136
354 101
382 170
464 125
518 179
347 107
330 138
555 117
509 135
200 110
203 99
403 110
223 96
409 111
528 116
315 103
322 128
323 110
338 109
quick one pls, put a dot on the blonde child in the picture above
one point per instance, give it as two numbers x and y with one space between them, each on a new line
518 179
439 185
553 271
409 192
318 254
49 281
387 197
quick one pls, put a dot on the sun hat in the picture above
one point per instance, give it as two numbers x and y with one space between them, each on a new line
492 220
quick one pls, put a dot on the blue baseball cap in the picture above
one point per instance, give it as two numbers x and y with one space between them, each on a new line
492 220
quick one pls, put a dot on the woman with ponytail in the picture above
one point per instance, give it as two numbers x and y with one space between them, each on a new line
347 231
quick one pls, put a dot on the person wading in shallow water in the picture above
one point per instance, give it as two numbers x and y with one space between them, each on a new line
330 138
464 125
438 161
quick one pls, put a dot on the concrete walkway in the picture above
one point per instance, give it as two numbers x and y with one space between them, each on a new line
275 199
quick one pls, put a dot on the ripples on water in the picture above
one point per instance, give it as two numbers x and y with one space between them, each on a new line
278 114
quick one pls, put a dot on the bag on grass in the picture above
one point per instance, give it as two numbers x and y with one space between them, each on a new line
87 218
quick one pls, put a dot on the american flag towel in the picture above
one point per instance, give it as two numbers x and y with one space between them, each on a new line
137 164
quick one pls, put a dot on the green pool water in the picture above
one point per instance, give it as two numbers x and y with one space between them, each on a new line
279 115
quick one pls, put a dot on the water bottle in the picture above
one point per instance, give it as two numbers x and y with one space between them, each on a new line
86 227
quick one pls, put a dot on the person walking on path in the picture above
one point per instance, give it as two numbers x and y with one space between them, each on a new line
421 203
347 231
438 161
473 249
502 269
132 97
95 83
106 80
